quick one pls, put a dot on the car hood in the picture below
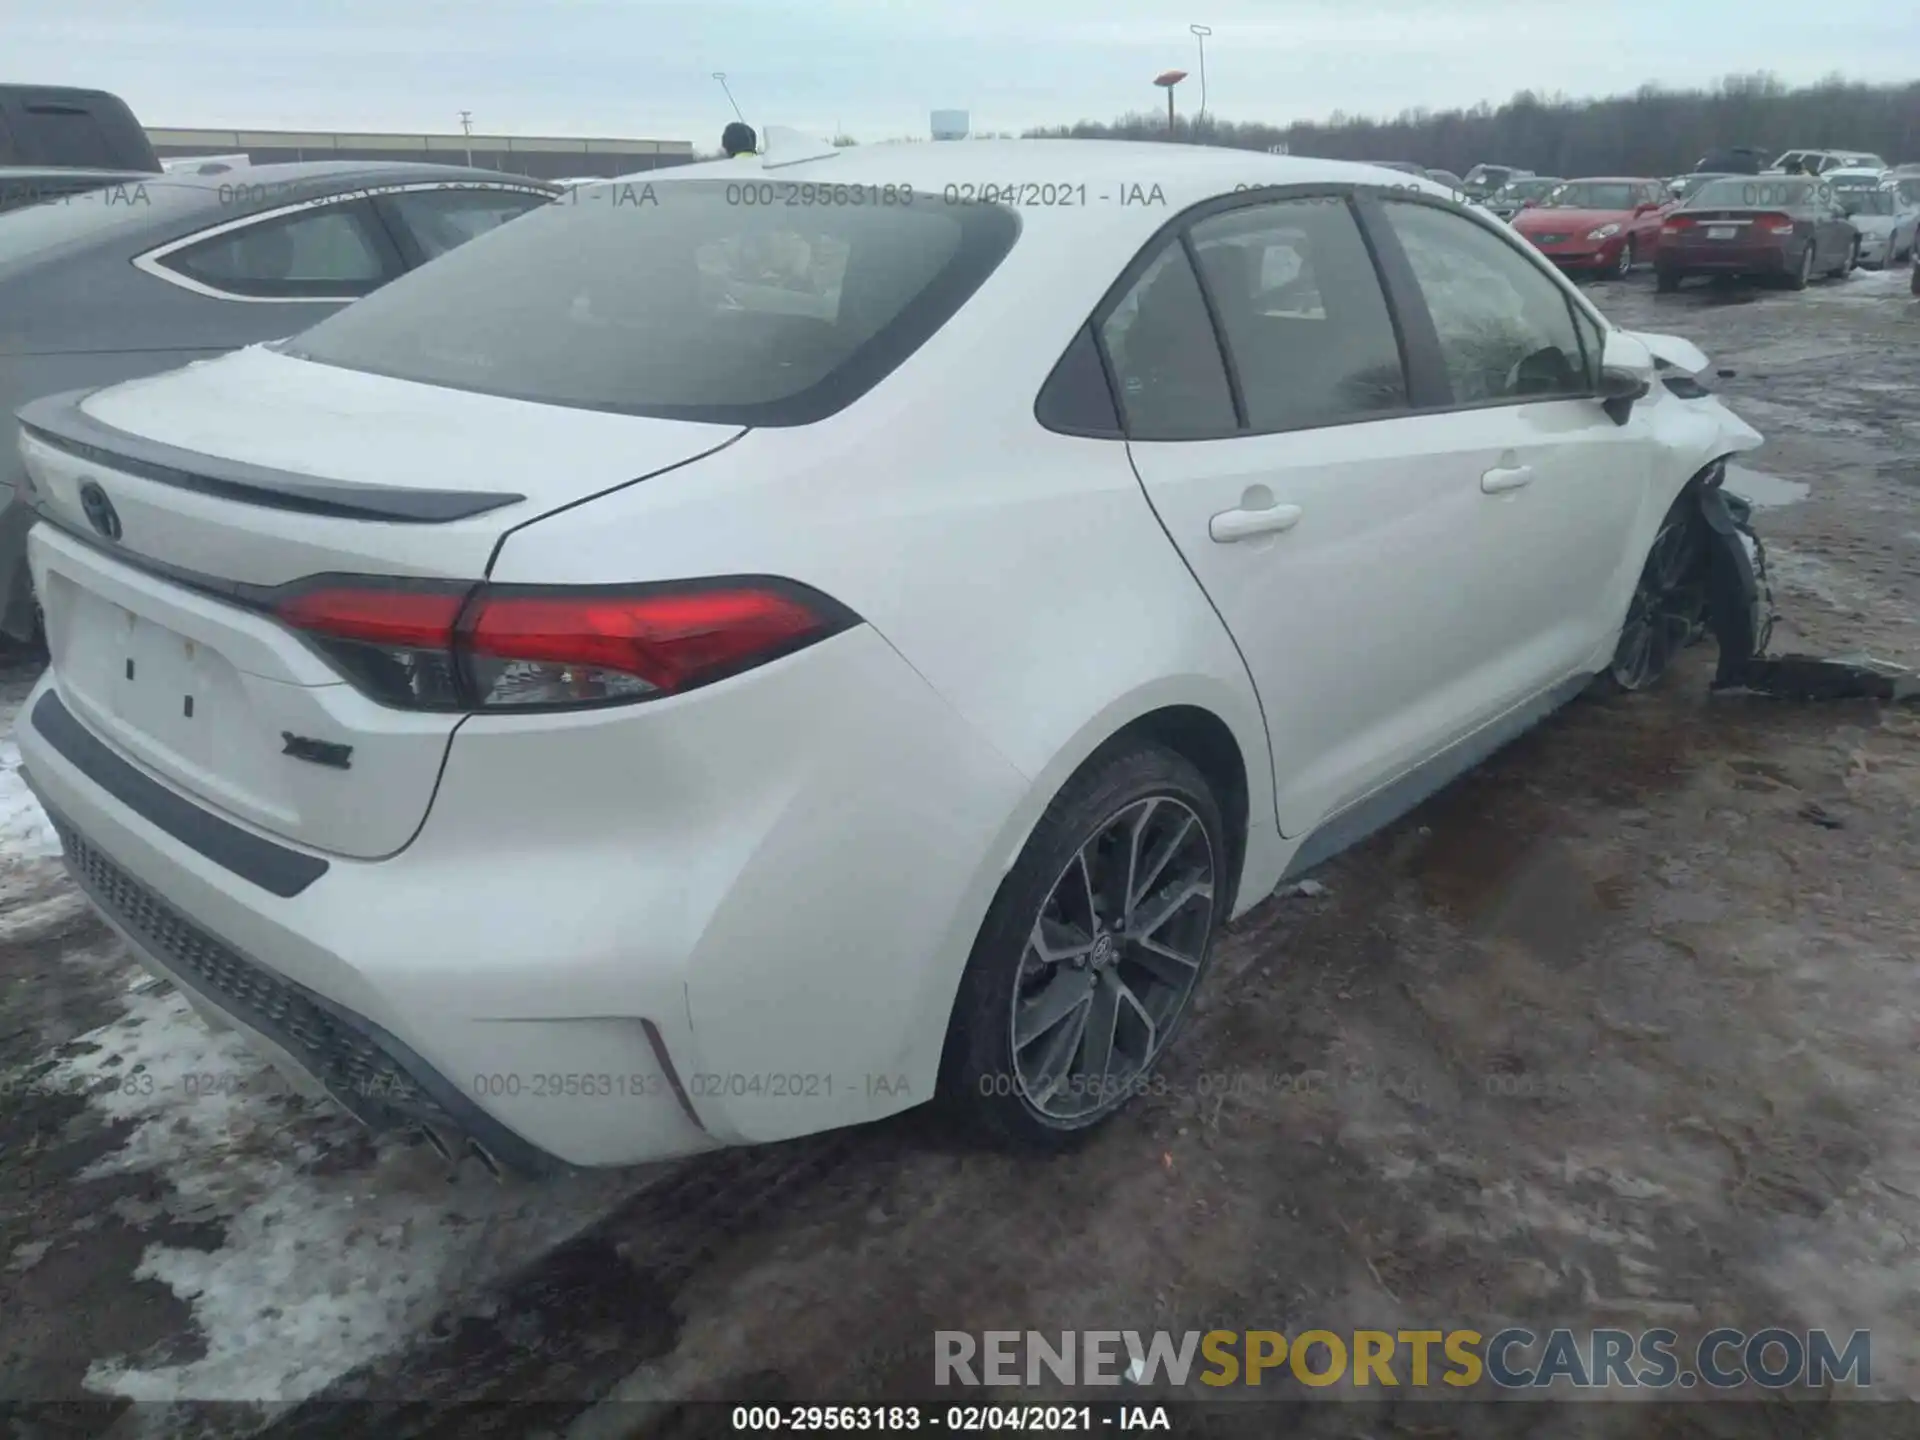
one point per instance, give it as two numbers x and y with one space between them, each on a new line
1880 225
1569 221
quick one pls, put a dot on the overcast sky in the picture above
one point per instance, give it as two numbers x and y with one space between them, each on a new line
874 68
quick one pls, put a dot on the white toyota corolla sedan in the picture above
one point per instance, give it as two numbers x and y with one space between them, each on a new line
752 649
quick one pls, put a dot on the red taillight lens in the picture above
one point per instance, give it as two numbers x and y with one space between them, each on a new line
1676 223
1774 224
554 648
438 646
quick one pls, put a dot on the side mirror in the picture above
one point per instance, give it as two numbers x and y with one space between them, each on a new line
1626 374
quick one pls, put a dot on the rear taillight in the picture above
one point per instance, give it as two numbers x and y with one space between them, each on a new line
438 646
1774 224
1674 224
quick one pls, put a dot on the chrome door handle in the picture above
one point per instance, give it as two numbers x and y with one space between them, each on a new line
1231 525
1506 478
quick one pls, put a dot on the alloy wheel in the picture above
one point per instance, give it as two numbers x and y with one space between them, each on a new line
1111 960
1623 267
1667 609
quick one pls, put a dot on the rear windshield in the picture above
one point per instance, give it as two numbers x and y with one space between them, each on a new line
749 302
1746 193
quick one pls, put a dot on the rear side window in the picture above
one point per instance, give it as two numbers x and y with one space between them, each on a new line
443 220
327 252
681 299
1303 313
1164 357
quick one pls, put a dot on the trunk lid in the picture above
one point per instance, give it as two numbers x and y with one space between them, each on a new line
254 470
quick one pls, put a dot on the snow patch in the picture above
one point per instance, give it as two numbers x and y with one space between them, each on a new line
25 831
315 1273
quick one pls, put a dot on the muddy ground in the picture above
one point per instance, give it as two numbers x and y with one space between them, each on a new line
1623 1030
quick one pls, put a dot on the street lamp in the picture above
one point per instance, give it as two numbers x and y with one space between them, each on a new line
721 76
1166 80
466 128
1200 33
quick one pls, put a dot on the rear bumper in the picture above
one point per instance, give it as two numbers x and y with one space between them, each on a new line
1706 259
618 937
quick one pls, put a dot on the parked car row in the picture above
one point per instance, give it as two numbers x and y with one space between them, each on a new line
1787 226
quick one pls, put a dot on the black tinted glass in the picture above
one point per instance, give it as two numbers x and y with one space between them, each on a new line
695 299
1303 312
1165 359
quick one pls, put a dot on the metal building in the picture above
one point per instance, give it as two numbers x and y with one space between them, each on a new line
540 156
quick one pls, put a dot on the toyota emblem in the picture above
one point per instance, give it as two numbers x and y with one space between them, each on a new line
99 510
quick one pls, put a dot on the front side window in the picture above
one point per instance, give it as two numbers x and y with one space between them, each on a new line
1303 313
1165 358
692 299
1506 329
327 251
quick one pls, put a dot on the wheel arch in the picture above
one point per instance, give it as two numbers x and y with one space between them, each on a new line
1215 726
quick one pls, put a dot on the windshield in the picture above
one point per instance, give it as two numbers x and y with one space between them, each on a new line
681 299
1748 193
1526 189
1867 202
1591 195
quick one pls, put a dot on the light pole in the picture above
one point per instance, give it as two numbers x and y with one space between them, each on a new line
721 76
1166 80
466 128
1200 33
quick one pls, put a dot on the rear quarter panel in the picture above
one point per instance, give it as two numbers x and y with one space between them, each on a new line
1020 573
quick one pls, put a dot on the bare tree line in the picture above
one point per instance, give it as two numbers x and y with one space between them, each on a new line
1651 132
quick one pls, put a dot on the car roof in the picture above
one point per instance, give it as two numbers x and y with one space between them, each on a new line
1186 174
1613 180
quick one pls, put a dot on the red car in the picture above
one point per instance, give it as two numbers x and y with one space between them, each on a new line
1788 227
1607 225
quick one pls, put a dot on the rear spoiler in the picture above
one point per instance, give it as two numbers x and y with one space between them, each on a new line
61 422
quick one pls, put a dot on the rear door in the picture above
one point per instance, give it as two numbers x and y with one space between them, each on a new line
1341 534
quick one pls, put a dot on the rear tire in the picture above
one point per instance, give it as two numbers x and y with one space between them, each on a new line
1799 278
1667 281
1132 850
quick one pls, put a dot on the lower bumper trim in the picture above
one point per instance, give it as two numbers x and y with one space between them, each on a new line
368 1071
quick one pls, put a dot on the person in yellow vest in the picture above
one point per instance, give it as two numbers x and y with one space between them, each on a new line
738 140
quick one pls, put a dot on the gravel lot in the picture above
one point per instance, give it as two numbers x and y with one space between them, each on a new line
1620 1030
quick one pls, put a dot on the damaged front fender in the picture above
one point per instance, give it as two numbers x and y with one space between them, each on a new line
1739 608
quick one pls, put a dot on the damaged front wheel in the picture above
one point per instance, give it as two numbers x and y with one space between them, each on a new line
1669 606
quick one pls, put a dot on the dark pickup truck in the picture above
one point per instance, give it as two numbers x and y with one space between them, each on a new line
60 126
